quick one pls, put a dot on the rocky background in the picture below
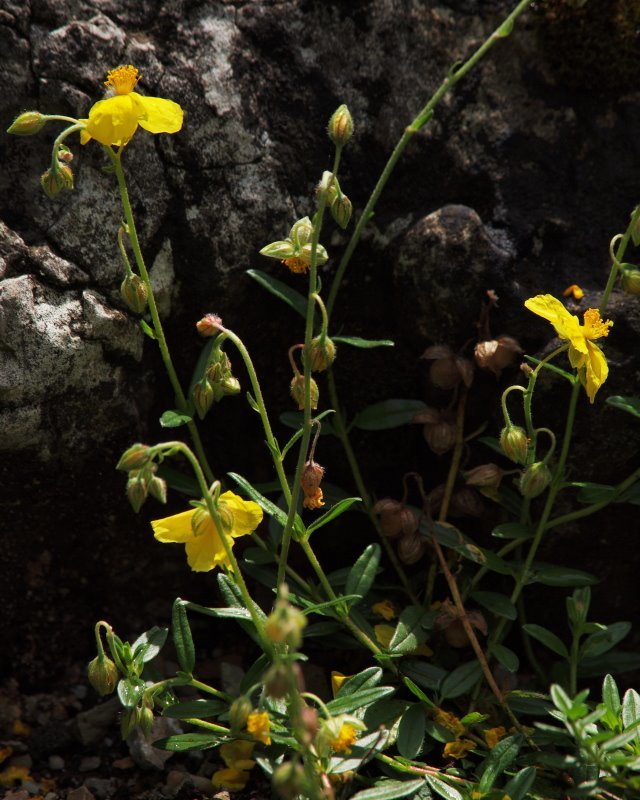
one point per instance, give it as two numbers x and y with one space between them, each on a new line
517 185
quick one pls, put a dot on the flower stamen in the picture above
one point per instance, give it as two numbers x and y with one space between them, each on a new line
594 326
123 79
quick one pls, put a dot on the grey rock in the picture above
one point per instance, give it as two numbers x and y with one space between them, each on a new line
141 747
89 763
56 762
91 726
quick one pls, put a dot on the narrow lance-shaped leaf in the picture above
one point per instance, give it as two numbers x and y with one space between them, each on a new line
182 639
364 571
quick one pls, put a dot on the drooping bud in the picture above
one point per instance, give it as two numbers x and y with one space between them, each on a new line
281 250
209 325
202 396
323 353
310 481
64 154
137 489
340 126
631 281
134 292
496 354
535 479
289 780
129 721
135 457
514 443
102 674
484 476
440 437
341 210
53 181
27 124
239 712
230 385
145 719
158 489
297 391
285 624
276 681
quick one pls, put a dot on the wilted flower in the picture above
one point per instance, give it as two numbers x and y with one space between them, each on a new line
395 518
497 354
384 609
458 748
439 428
447 369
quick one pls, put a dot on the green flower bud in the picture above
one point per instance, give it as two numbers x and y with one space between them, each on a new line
301 232
145 719
239 712
102 674
158 489
203 397
28 123
631 281
323 353
340 126
285 625
134 458
136 490
341 211
53 181
289 780
279 250
133 291
297 391
514 443
230 385
129 721
321 254
535 479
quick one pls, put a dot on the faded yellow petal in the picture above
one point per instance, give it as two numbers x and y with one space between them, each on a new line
113 121
230 779
337 679
247 515
157 115
174 529
384 634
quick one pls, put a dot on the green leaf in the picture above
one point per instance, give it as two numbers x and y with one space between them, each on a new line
150 643
147 330
265 504
410 630
285 293
460 680
474 718
519 786
594 492
512 530
630 708
189 741
506 657
532 703
498 604
426 675
417 691
360 699
320 608
629 404
605 640
366 344
547 638
130 691
411 731
442 788
550 575
174 419
366 679
615 661
611 695
387 414
388 790
364 571
332 513
505 29
501 756
182 639
198 709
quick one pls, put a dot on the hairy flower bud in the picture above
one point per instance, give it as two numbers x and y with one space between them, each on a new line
535 479
297 391
209 325
158 489
137 488
102 674
53 181
133 291
239 712
145 719
27 123
631 281
135 457
289 780
203 397
514 443
340 126
323 353
341 210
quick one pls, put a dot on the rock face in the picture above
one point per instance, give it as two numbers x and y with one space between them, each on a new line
516 185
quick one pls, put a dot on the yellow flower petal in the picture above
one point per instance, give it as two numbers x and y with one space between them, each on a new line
174 529
458 748
259 725
596 370
113 121
385 609
337 679
157 115
236 754
234 779
548 307
345 739
206 552
493 735
247 515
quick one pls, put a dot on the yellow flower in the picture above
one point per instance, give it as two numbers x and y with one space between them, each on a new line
114 120
337 679
458 748
237 754
449 721
384 609
259 725
234 779
493 735
204 546
346 737
584 356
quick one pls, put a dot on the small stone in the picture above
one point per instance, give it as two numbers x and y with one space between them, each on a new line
123 763
89 763
102 787
18 794
56 762
81 793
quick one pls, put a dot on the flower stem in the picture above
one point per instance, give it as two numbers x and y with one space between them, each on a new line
617 259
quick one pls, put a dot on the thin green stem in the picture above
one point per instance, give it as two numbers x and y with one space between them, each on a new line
204 687
181 400
289 570
617 259
209 726
573 665
78 126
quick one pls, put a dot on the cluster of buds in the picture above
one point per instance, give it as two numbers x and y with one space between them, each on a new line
142 481
216 383
397 521
338 202
449 621
285 623
439 428
497 354
310 481
295 252
141 715
59 176
447 369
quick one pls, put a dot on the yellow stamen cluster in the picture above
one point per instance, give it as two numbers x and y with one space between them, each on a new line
259 725
594 326
123 79
345 739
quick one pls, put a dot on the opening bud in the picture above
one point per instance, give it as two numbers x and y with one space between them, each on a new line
27 124
535 479
340 127
301 233
134 293
102 674
514 443
297 392
323 353
137 489
209 325
134 458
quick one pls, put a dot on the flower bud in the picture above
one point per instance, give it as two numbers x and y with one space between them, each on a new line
340 126
285 624
53 181
323 353
466 503
129 721
310 721
289 780
102 674
203 397
535 479
297 392
136 490
64 154
280 250
133 291
145 719
209 325
341 210
27 123
230 385
239 712
276 681
301 233
158 489
135 457
486 475
631 281
411 548
514 443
